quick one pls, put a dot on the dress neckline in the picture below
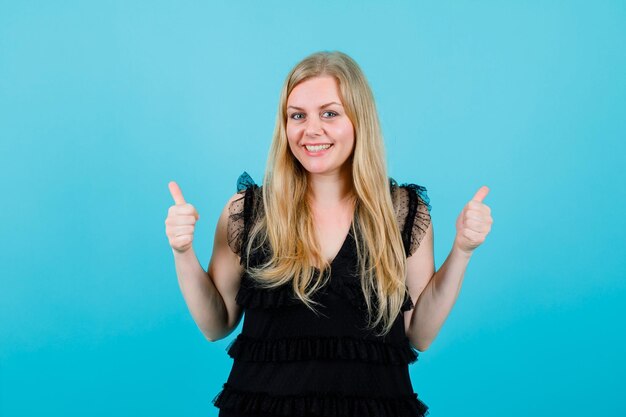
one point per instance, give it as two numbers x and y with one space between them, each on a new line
340 252
342 248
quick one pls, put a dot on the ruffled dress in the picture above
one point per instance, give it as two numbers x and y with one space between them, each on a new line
290 361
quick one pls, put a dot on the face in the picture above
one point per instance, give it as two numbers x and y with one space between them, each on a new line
320 134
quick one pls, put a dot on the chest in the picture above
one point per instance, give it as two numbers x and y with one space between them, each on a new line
332 228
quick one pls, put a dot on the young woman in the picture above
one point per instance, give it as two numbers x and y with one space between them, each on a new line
331 260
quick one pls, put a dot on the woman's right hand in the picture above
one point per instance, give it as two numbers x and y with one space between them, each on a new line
180 221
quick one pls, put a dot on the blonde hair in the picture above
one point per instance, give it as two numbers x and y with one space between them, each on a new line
287 224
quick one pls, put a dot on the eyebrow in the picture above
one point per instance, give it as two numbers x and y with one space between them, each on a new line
321 107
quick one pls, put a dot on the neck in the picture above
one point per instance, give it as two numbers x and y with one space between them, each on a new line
331 190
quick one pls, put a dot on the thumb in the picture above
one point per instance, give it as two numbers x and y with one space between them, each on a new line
481 194
177 195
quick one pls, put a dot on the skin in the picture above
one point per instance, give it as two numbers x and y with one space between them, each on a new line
437 291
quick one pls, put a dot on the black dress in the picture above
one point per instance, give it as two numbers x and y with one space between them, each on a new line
288 361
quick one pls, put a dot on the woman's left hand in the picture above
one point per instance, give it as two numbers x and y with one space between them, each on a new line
474 223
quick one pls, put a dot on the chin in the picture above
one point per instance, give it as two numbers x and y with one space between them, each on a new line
315 170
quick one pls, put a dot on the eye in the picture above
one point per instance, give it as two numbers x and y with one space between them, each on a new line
332 113
296 116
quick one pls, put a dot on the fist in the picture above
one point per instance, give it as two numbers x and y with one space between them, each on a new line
474 223
181 220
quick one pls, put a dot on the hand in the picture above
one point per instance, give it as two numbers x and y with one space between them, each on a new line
474 223
180 221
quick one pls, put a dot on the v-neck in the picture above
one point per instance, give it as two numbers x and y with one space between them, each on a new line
341 250
342 247
343 244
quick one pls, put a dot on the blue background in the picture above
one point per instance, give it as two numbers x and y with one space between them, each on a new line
103 103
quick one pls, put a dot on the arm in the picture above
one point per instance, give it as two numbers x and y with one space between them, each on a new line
210 296
203 300
436 292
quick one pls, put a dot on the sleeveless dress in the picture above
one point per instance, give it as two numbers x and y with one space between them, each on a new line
290 361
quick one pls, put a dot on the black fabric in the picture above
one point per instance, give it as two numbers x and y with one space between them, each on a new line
412 207
292 361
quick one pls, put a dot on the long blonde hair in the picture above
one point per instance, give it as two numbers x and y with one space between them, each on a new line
287 223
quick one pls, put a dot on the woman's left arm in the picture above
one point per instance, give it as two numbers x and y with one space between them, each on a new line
436 292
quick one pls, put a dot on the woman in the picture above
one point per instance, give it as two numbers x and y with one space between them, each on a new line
331 260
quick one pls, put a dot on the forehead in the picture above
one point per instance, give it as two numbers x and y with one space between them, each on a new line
314 91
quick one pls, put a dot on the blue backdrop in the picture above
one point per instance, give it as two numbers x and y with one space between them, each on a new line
103 103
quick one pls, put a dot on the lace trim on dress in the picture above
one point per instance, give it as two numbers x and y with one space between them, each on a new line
329 404
250 349
412 206
241 211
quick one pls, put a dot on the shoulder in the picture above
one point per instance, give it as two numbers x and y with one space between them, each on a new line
412 208
407 193
240 210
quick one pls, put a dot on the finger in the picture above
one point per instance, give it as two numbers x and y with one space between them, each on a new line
183 220
184 239
180 209
177 194
184 230
194 212
478 214
475 238
481 194
477 226
477 207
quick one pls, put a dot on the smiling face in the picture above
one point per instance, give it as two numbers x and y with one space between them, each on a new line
320 134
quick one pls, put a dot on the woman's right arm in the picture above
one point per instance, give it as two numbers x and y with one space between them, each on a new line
210 295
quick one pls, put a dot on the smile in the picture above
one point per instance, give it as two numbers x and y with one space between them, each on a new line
317 148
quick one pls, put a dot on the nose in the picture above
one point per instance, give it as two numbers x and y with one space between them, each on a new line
313 127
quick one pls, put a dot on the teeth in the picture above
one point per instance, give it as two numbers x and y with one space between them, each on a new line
317 148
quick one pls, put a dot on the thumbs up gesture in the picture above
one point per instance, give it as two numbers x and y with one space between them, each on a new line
474 223
180 221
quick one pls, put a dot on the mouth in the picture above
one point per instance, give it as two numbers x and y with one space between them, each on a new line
318 148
